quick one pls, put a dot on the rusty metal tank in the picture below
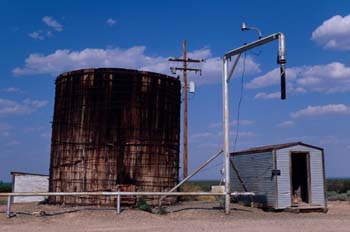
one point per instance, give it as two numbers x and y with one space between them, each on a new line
114 129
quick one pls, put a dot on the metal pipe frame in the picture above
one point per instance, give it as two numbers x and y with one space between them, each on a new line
118 194
260 42
225 94
28 194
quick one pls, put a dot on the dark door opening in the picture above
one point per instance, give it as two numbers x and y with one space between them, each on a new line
300 187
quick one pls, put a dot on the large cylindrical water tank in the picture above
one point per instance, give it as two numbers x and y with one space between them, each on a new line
111 128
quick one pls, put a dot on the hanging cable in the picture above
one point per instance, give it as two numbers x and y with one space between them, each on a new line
240 102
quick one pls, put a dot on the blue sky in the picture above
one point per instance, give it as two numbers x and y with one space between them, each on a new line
41 39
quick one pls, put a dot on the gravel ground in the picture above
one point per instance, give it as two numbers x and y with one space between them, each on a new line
189 216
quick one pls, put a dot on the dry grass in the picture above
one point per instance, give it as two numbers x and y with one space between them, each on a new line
193 187
3 200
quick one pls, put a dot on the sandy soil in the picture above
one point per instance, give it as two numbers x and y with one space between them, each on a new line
189 216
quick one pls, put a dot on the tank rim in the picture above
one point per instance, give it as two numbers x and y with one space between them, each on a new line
113 70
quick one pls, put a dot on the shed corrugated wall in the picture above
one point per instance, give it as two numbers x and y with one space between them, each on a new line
256 172
316 171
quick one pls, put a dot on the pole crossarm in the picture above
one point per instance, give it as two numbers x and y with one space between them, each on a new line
188 60
187 69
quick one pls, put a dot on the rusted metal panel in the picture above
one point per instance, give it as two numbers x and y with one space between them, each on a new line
114 127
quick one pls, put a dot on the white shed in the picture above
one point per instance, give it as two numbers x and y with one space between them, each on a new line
29 182
283 176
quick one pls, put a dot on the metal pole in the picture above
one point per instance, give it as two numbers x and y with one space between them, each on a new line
118 204
225 80
193 173
8 211
226 125
185 133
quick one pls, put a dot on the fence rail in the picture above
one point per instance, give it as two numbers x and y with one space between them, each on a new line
118 194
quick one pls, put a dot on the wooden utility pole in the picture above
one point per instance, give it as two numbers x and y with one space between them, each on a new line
184 70
185 138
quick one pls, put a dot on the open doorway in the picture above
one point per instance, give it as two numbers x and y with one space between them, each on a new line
299 178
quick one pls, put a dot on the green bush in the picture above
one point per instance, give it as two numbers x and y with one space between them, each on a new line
5 187
338 185
332 194
338 197
142 205
348 194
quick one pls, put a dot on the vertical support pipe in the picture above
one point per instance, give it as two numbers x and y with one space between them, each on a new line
8 211
226 125
118 204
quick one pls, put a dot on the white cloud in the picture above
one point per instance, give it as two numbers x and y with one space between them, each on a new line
37 35
51 22
212 67
242 122
334 33
5 129
11 90
13 143
312 111
49 34
328 78
134 58
41 35
201 135
240 133
286 124
10 107
244 134
111 21
267 95
45 135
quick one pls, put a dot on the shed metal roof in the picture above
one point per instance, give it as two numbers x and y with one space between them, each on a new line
25 173
273 147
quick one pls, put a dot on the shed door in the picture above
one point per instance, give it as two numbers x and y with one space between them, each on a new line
300 177
283 180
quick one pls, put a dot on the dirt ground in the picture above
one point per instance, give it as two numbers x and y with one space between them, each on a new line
189 216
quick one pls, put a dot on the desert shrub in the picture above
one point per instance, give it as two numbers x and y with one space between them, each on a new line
338 197
142 205
348 193
198 186
162 210
5 187
332 194
338 185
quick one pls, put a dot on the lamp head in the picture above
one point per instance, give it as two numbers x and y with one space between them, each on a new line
244 27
